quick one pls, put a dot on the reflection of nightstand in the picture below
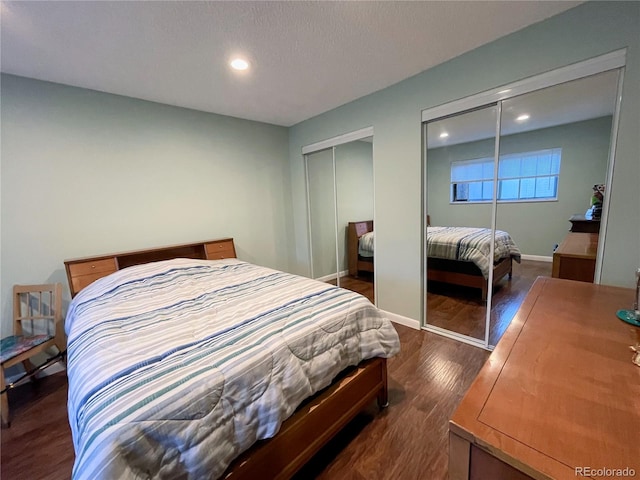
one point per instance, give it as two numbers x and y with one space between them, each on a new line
581 224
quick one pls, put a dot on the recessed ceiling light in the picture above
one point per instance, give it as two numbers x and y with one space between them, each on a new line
522 118
444 135
239 64
504 91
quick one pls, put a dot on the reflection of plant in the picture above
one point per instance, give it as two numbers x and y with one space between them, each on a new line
598 194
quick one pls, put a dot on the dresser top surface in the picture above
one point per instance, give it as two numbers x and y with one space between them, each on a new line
579 244
560 390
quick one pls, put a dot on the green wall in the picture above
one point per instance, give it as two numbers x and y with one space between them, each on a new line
85 173
589 30
585 149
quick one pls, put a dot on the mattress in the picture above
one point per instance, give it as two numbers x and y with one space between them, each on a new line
177 367
469 244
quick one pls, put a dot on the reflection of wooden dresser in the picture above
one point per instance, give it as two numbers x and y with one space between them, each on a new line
558 393
575 258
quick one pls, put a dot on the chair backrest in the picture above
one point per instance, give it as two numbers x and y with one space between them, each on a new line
37 309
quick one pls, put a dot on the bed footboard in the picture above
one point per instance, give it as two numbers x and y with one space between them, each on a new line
314 424
466 274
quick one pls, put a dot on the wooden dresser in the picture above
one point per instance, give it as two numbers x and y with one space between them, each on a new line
84 271
575 257
559 392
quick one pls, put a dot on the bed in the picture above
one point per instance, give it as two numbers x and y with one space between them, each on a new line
460 256
213 368
455 255
360 247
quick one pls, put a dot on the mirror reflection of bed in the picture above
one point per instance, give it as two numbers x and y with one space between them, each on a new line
461 308
553 148
454 304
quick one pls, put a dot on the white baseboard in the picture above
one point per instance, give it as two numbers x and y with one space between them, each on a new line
333 276
406 321
537 258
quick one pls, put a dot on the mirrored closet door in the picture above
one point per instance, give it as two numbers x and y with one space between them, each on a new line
532 169
322 214
459 170
354 197
554 156
340 197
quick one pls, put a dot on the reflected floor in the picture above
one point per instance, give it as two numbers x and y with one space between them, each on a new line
363 284
462 310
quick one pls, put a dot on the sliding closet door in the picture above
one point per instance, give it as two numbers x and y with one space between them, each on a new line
322 214
554 149
354 197
459 179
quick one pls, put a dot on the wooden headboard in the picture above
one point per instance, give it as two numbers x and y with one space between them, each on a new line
360 228
84 271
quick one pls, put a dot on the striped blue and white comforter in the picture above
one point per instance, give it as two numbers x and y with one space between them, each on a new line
176 367
470 245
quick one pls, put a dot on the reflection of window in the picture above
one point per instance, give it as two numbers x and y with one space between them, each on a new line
527 176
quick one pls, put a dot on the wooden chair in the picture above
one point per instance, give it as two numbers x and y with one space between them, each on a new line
37 323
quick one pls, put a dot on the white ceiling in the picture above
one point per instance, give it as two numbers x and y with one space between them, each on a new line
583 99
306 57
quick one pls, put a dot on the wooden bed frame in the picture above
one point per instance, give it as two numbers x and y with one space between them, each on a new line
466 274
313 424
356 262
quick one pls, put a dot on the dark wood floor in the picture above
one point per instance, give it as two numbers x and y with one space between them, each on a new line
462 310
407 440
38 444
